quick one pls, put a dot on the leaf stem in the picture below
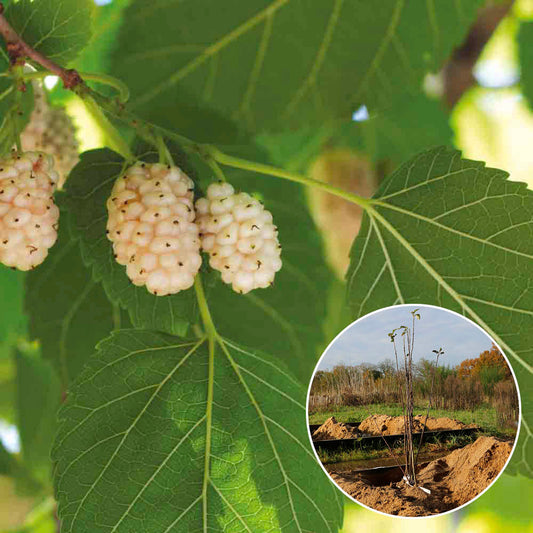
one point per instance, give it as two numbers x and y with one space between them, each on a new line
164 154
207 319
111 81
6 92
215 167
237 162
113 136
213 338
104 79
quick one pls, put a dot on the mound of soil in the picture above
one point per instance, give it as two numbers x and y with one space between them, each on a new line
393 425
331 429
453 481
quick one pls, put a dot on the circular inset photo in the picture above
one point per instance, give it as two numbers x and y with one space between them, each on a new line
413 411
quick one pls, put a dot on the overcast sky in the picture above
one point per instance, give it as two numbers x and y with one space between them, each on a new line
367 341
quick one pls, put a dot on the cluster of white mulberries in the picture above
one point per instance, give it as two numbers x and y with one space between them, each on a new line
151 225
240 237
151 215
28 214
51 130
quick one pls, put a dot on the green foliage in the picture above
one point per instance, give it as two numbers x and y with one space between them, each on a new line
12 318
450 232
7 391
507 497
338 315
89 187
7 461
387 138
210 440
95 57
57 28
299 63
399 132
38 397
81 314
489 376
15 106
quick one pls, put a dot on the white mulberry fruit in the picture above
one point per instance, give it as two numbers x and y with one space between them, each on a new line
52 131
151 225
28 215
238 233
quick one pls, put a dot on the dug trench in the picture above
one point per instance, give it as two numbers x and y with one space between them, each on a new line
452 480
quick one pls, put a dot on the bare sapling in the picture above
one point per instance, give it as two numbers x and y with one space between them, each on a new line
406 393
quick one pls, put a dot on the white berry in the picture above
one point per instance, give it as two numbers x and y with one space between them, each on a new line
28 215
52 131
240 237
151 225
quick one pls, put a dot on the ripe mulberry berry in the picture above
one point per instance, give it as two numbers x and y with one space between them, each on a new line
28 214
51 130
151 225
238 233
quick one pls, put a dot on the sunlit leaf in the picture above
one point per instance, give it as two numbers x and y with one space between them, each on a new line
57 28
299 63
213 442
448 231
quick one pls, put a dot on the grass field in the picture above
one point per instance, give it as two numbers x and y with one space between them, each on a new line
484 416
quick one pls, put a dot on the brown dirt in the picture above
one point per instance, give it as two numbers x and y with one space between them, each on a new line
453 481
331 429
393 425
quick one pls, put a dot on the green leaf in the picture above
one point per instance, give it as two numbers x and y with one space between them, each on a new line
338 315
12 318
15 106
288 317
211 441
58 29
276 64
399 133
38 398
447 231
525 51
96 56
69 311
506 499
390 136
8 463
88 188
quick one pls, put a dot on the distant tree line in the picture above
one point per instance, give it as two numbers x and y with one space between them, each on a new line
485 379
